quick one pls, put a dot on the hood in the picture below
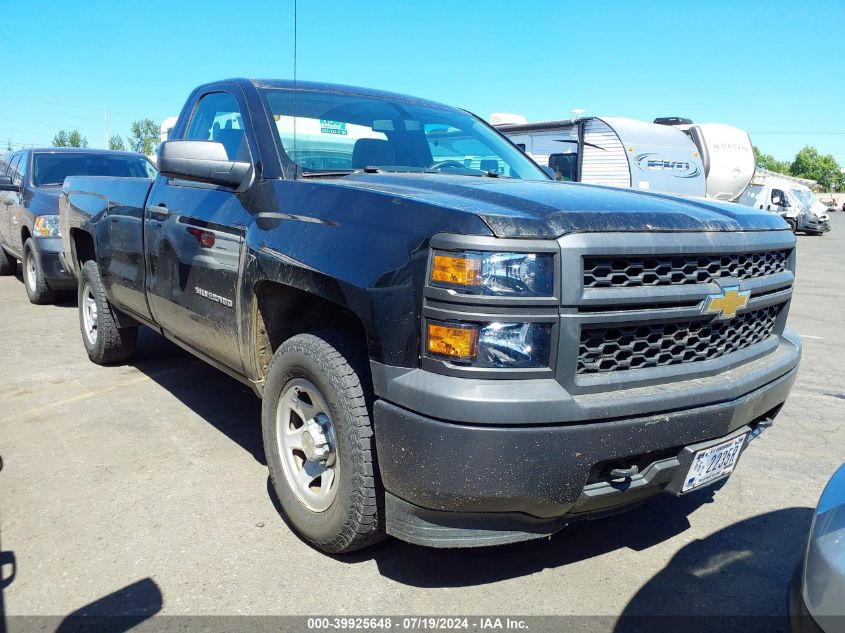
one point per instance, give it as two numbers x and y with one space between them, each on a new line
45 200
549 209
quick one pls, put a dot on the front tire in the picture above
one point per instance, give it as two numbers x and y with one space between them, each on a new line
105 342
319 443
36 286
8 264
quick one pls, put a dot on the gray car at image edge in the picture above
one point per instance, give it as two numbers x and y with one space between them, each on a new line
817 594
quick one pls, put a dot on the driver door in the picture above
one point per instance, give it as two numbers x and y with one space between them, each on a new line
194 235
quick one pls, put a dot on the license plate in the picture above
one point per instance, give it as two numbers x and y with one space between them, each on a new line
712 463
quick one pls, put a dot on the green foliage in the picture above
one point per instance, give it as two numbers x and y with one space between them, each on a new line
60 139
823 169
69 139
75 139
767 161
144 136
115 142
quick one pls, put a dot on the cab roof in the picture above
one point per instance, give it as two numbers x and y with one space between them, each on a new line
314 86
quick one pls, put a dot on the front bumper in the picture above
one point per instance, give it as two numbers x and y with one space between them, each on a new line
813 225
47 252
453 484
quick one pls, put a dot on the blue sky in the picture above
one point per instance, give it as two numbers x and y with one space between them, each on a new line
773 67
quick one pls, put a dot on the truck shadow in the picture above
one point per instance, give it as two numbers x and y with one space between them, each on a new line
736 579
226 404
657 520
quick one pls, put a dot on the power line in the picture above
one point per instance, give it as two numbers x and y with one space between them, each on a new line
68 105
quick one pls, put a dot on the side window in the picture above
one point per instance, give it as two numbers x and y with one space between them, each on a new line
23 164
218 118
564 166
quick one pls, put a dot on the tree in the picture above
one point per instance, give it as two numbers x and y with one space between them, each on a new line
75 139
767 161
60 139
823 169
69 139
145 136
115 142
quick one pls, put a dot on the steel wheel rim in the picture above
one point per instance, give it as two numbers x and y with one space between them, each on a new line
311 470
29 271
89 314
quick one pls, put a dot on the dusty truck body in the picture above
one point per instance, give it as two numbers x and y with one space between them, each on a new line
449 351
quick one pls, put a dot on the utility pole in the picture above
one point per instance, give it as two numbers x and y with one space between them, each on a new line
106 118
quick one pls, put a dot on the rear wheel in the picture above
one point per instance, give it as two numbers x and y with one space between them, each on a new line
8 264
104 341
319 443
36 286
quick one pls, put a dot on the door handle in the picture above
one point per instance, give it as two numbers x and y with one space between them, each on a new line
159 209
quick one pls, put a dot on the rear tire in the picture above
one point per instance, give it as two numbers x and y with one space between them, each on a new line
105 342
319 381
36 286
8 264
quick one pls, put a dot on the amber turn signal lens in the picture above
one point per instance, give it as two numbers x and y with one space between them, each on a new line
454 342
456 269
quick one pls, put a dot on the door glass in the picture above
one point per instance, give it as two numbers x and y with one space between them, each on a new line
22 167
218 118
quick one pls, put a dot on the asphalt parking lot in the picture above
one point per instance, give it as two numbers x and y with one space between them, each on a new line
145 486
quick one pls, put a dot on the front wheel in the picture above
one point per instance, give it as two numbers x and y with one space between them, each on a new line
318 439
36 286
105 342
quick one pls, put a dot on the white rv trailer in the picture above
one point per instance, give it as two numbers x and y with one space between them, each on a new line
726 153
168 124
669 156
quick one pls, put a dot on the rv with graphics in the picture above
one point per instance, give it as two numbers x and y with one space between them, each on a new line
670 155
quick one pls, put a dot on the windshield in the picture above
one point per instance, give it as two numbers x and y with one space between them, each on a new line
52 169
340 133
807 198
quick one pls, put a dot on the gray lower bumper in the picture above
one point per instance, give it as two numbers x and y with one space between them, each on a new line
453 484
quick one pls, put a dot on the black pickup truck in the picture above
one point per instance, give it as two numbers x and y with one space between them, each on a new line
30 183
451 347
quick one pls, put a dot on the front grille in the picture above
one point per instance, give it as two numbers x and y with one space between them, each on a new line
608 349
674 270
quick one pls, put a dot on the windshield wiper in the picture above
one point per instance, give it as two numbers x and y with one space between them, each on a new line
325 174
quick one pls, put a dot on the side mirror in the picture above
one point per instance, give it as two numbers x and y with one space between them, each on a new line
7 185
201 161
777 200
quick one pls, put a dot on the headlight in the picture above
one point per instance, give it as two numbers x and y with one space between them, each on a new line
491 345
47 226
494 274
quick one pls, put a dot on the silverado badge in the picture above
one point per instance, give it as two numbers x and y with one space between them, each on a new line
726 303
